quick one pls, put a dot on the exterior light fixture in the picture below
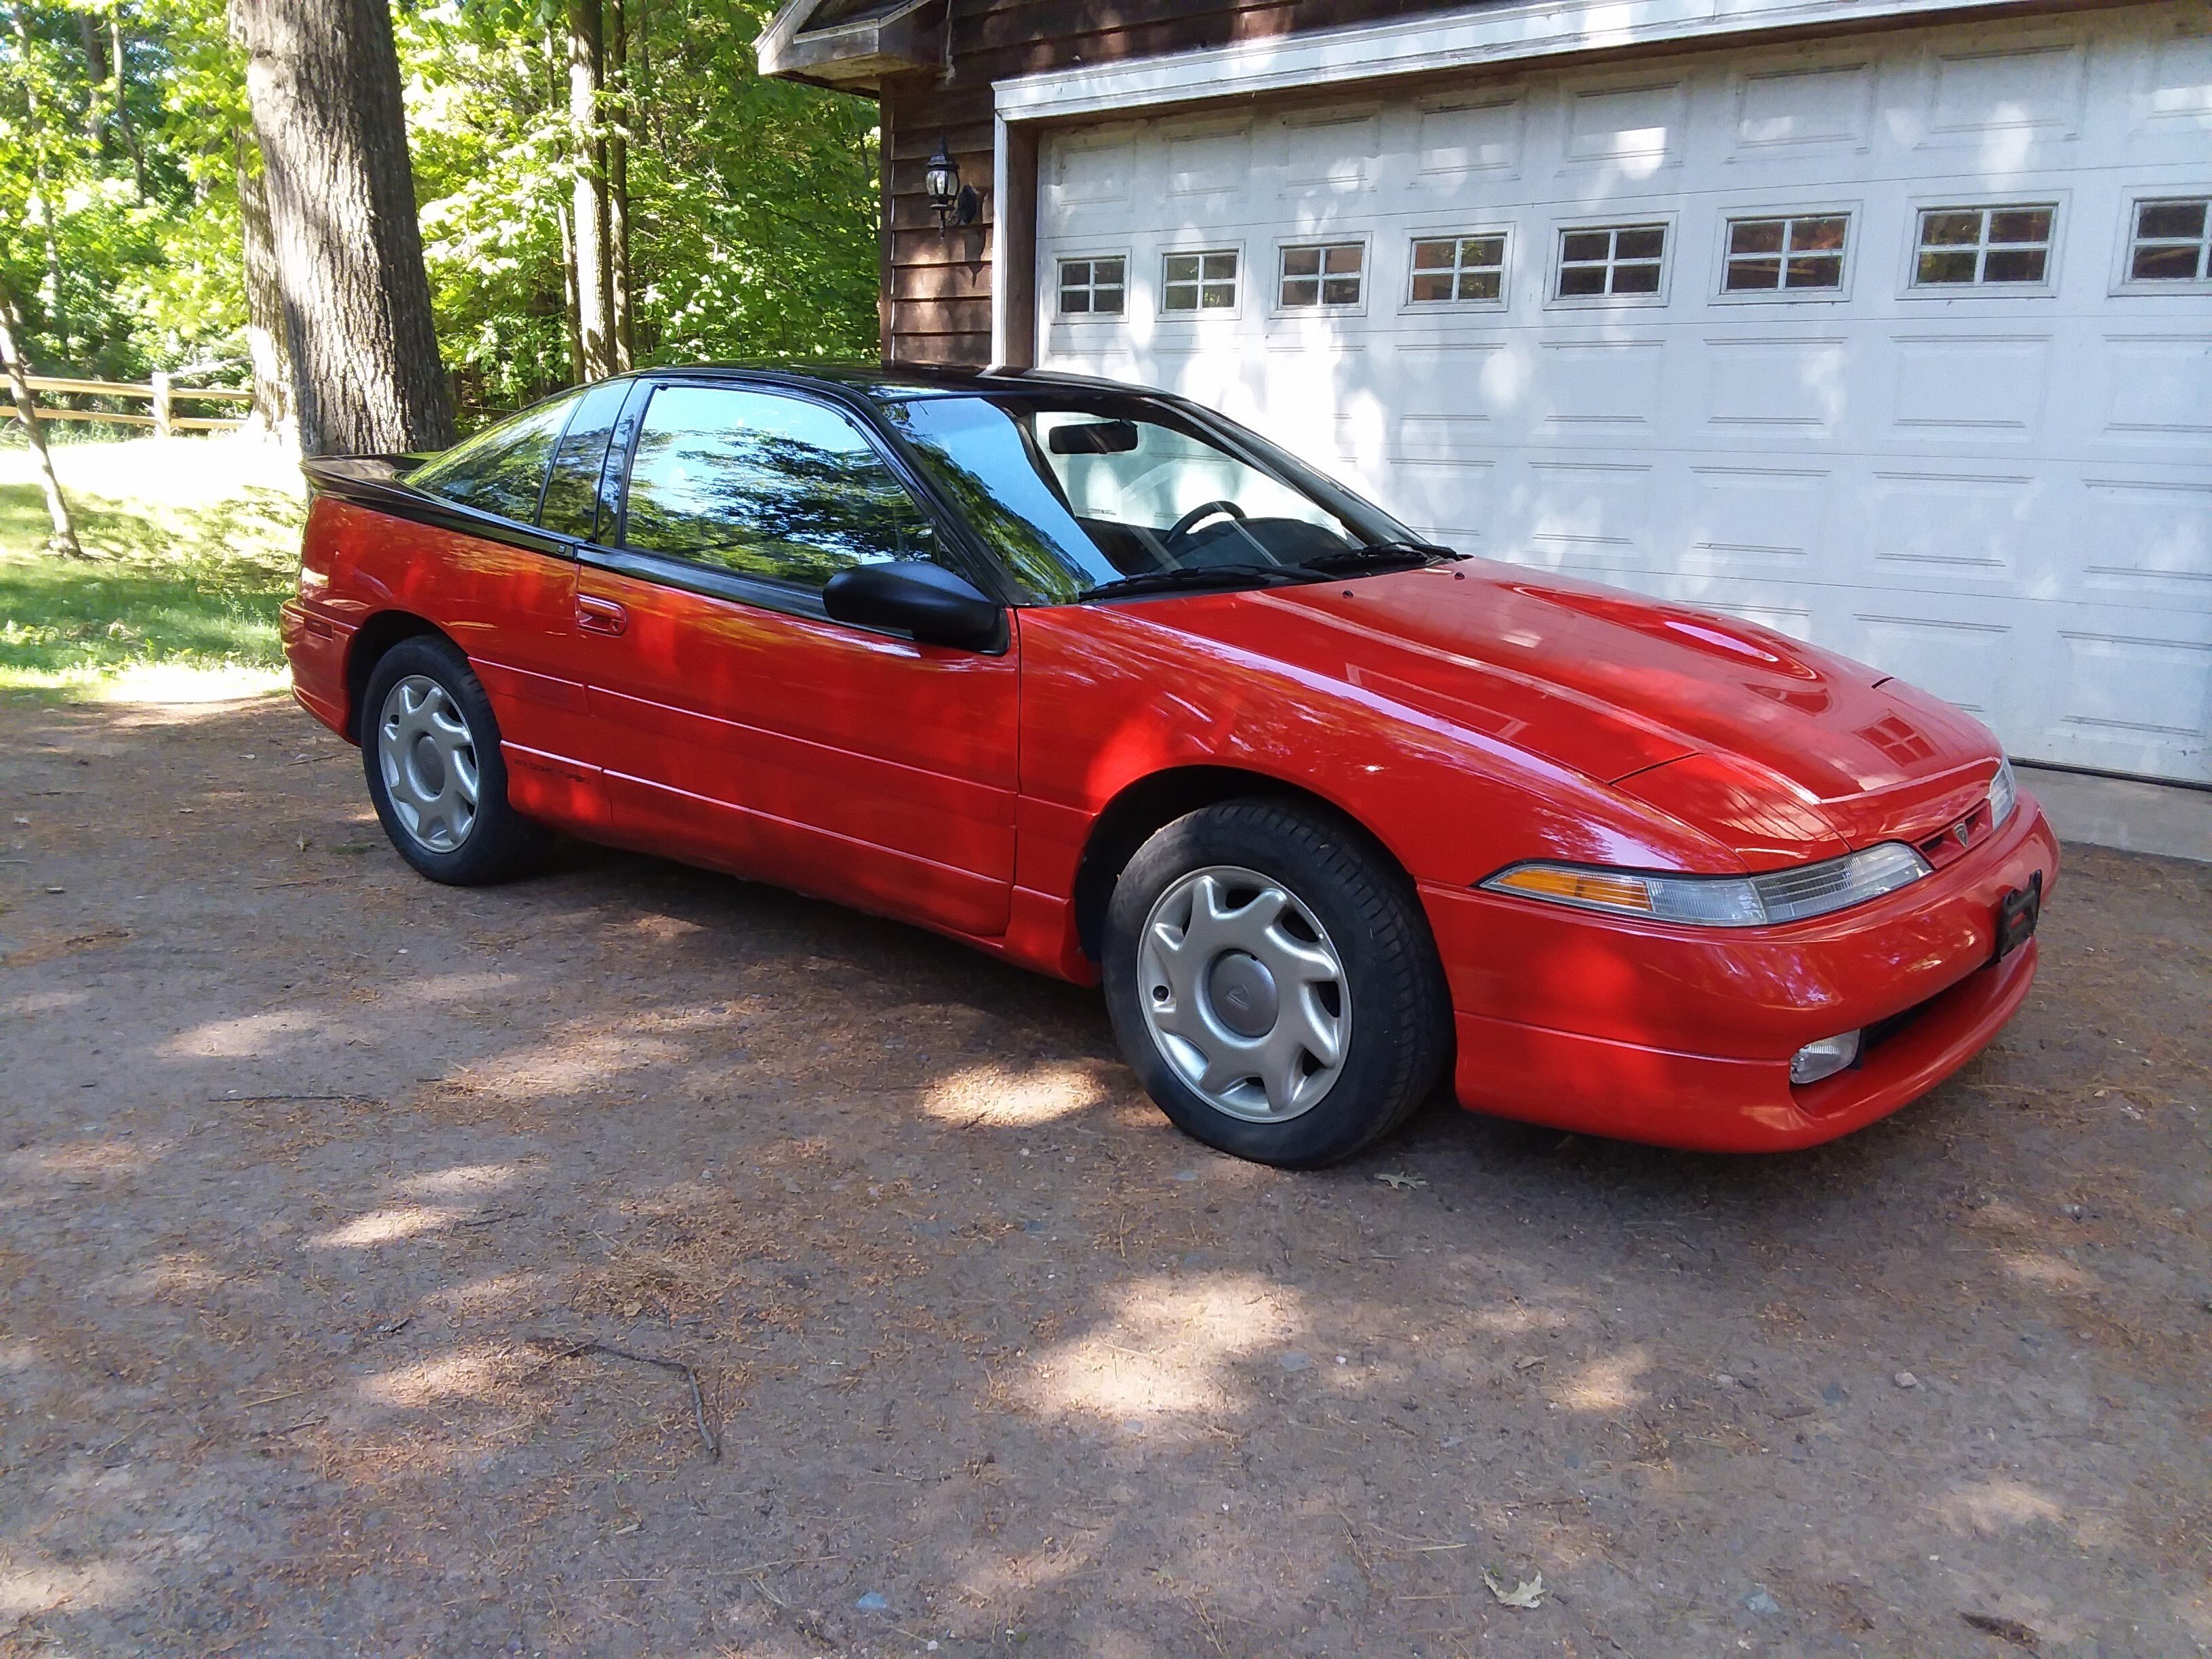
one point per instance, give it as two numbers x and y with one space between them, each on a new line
952 202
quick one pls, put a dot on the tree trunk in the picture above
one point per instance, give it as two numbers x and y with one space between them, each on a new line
589 212
95 75
625 343
63 537
51 294
569 296
266 342
123 127
323 79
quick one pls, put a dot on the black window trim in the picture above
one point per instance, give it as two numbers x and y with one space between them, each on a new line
583 393
976 564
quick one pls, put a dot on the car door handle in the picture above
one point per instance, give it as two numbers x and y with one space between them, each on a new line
600 616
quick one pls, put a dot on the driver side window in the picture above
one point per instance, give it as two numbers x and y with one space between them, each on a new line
767 486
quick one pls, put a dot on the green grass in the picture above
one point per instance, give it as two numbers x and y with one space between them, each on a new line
197 542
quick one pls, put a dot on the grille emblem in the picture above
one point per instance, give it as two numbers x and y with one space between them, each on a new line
1962 831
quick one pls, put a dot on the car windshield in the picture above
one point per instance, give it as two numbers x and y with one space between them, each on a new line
1096 495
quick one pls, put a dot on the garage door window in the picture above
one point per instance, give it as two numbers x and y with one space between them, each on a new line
2171 242
1785 256
1604 261
1093 287
1984 246
1200 282
1459 270
1328 274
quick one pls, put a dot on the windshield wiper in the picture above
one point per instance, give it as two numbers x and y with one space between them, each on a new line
1376 553
1198 575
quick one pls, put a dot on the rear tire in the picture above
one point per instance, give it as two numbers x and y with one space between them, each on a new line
1273 983
429 745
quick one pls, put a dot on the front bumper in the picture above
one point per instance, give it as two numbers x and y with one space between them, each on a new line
1682 1037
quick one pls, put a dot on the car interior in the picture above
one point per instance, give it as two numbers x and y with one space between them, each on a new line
1154 498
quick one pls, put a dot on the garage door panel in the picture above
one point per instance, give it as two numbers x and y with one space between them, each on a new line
1331 149
1213 158
1586 516
1439 494
1091 169
2172 99
1758 522
1585 387
2000 100
2146 541
1951 529
1636 126
1982 388
1965 661
1456 138
1787 114
2159 391
1789 389
2135 702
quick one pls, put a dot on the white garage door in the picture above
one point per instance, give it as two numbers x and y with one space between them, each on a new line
1903 345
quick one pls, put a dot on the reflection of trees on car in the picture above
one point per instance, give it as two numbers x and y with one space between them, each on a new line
765 504
1052 573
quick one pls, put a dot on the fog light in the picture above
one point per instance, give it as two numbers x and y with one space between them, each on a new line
1825 1058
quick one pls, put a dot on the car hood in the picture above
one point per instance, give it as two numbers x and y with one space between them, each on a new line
1782 751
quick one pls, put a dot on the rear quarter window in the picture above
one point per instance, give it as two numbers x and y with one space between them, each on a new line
572 492
500 470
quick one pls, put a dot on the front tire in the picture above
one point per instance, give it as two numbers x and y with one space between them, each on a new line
1273 983
430 747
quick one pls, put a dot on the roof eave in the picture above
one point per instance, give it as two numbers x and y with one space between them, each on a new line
853 57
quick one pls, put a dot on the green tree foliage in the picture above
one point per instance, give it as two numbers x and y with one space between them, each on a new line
752 203
77 239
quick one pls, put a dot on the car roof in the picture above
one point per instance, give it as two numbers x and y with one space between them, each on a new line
887 382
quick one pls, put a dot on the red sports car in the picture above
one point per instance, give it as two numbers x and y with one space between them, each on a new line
1098 681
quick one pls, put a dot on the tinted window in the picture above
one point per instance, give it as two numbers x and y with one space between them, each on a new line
1078 492
763 485
503 470
572 492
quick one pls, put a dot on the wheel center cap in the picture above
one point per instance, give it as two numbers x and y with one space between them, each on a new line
429 766
1242 993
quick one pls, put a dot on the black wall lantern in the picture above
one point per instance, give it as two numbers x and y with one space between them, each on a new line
952 202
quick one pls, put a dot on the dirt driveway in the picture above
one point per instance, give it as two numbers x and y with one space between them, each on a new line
319 1178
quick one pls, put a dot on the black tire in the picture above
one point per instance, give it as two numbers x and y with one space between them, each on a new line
1399 1015
498 842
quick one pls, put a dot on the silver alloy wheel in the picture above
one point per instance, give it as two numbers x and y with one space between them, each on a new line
428 758
1244 993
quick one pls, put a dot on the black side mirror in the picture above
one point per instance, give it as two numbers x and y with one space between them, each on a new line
915 597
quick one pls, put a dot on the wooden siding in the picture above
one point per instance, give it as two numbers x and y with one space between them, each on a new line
937 285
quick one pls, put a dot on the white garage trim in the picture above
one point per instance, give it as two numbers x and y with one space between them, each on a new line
1419 45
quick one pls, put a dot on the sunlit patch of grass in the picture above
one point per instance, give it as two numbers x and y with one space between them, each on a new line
197 544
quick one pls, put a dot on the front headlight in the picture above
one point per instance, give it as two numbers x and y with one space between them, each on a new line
2004 794
1780 895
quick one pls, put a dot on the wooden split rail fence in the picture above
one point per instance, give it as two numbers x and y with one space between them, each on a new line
159 391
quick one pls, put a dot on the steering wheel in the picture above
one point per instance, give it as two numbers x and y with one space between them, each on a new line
1197 516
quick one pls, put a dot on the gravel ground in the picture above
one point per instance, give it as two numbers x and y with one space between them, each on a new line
318 1181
